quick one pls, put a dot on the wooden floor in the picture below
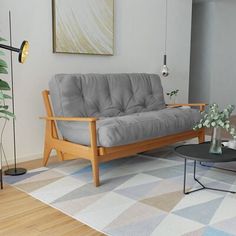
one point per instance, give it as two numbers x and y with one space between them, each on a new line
22 215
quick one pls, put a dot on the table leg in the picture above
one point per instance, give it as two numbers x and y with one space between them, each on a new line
198 181
194 176
185 164
194 171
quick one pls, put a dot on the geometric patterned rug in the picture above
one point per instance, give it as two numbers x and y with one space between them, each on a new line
139 196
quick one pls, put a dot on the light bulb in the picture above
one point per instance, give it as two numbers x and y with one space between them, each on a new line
165 71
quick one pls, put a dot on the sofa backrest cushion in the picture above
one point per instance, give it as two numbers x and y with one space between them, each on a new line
105 95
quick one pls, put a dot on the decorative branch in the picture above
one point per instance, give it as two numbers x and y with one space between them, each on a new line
216 118
172 93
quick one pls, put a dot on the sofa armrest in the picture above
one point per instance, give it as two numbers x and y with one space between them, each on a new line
61 118
92 128
200 105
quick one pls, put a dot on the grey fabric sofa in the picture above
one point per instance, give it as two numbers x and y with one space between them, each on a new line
129 109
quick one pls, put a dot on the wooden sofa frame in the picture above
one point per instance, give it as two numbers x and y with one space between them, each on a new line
67 150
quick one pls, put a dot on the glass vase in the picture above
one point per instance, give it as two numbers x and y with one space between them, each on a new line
173 99
216 146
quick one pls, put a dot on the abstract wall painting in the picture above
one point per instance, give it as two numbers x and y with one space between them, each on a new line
83 26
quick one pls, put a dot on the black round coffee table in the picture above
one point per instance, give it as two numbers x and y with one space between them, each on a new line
200 152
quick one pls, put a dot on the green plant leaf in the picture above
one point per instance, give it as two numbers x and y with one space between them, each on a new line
4 96
4 107
214 117
1 95
8 113
213 124
4 117
4 85
3 70
2 39
3 63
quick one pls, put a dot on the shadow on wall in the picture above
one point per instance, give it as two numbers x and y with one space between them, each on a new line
213 52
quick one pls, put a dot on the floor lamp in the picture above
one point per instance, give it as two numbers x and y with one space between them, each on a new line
22 55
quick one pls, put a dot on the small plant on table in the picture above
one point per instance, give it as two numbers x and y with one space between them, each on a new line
217 119
172 95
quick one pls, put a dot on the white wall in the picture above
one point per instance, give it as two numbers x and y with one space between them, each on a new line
213 70
223 80
139 43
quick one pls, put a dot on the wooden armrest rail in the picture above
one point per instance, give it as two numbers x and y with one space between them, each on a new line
88 119
200 105
187 104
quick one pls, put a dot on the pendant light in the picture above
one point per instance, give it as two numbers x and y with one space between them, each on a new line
165 70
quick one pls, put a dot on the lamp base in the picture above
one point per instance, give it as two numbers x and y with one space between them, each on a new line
15 171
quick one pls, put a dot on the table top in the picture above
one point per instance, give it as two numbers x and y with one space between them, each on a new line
200 152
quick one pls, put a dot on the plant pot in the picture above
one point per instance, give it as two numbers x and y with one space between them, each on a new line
216 145
173 99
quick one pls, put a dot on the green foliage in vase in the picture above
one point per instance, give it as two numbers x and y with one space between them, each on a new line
172 93
217 118
4 86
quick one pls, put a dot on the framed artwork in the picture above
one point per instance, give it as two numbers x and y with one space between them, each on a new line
83 26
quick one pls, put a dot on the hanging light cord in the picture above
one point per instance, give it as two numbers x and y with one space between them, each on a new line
166 25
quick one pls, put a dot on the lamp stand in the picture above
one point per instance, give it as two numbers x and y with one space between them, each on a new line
13 171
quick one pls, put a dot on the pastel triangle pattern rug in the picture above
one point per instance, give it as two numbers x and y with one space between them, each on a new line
139 196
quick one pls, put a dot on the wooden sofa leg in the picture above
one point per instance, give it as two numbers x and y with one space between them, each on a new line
60 155
201 137
95 169
46 154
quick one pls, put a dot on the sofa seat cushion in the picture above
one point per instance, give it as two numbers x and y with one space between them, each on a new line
133 128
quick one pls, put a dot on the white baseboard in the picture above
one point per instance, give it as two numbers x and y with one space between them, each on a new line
53 153
25 158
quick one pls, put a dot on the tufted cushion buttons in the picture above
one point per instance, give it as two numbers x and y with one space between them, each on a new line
122 109
143 104
105 94
131 93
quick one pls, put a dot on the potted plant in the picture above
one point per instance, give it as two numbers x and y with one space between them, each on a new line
172 95
217 119
4 86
